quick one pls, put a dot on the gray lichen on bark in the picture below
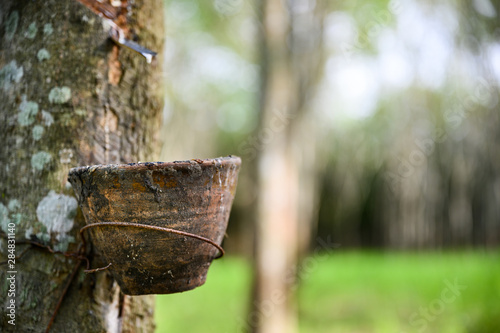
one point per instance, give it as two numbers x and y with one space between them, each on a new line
69 97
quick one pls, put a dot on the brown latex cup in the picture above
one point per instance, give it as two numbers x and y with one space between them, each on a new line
189 196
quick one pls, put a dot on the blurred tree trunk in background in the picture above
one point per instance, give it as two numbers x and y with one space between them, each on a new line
69 97
423 172
444 192
291 60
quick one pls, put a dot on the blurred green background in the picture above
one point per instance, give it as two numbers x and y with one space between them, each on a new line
392 124
354 292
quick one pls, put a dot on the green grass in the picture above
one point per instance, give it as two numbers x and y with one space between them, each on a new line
355 292
213 307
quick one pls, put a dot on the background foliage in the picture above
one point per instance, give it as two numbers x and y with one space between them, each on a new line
405 115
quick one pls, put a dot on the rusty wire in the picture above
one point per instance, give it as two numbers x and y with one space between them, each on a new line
61 298
150 227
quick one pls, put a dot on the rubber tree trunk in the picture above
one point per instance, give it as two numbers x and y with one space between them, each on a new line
291 57
69 97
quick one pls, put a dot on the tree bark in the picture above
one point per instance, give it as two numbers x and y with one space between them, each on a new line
291 57
69 97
